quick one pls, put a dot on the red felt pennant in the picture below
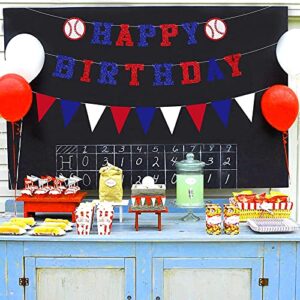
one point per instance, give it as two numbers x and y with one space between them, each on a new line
197 113
43 102
120 114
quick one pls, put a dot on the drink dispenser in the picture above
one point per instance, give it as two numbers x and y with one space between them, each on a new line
190 182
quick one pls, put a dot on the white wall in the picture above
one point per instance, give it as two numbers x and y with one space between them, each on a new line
294 21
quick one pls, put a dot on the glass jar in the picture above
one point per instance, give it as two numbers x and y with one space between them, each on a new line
189 182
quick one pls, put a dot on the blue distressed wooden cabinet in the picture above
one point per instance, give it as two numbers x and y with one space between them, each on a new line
180 263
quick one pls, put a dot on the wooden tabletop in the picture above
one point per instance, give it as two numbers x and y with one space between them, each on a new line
173 230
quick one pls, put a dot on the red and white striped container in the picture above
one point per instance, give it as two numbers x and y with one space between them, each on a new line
84 219
265 205
104 226
254 210
105 215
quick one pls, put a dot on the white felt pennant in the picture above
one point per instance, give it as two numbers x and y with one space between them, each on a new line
94 112
246 102
171 114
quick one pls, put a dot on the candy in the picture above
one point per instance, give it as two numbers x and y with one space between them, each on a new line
44 230
63 226
49 220
11 229
29 221
18 223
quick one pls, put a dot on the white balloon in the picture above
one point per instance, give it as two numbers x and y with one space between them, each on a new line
25 56
288 51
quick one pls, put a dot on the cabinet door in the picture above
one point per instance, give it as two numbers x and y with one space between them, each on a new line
207 278
80 278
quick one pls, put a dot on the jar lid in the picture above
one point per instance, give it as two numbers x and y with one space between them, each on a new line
190 164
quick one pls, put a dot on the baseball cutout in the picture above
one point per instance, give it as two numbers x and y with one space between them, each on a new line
74 28
215 29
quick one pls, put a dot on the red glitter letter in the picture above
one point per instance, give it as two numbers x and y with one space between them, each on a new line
185 72
167 31
134 68
86 71
233 62
124 36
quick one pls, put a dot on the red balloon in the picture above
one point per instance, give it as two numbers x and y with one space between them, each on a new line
15 97
280 107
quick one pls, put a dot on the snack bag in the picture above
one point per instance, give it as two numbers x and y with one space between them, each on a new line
231 219
110 184
213 219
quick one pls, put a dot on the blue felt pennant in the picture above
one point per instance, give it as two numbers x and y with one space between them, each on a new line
69 108
145 115
222 108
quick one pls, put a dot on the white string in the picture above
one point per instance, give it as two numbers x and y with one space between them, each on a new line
137 26
19 152
177 64
256 92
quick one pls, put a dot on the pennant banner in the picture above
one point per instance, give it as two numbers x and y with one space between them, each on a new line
94 113
69 108
120 114
246 103
222 109
171 114
197 114
145 115
44 102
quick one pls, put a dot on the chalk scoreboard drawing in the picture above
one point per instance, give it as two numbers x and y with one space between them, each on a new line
156 160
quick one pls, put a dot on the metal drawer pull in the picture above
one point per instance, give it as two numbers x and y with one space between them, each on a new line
128 297
157 298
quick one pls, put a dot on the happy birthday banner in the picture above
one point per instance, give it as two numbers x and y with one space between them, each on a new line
154 75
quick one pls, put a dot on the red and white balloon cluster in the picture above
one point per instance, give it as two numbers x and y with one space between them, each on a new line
279 103
25 57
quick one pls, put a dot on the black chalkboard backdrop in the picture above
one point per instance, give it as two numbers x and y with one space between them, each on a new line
244 154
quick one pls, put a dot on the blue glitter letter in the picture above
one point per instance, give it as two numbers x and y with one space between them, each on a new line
190 29
108 71
64 67
146 31
214 71
166 74
106 33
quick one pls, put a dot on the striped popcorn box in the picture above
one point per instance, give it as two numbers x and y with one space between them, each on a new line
84 219
105 211
104 225
89 207
83 226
